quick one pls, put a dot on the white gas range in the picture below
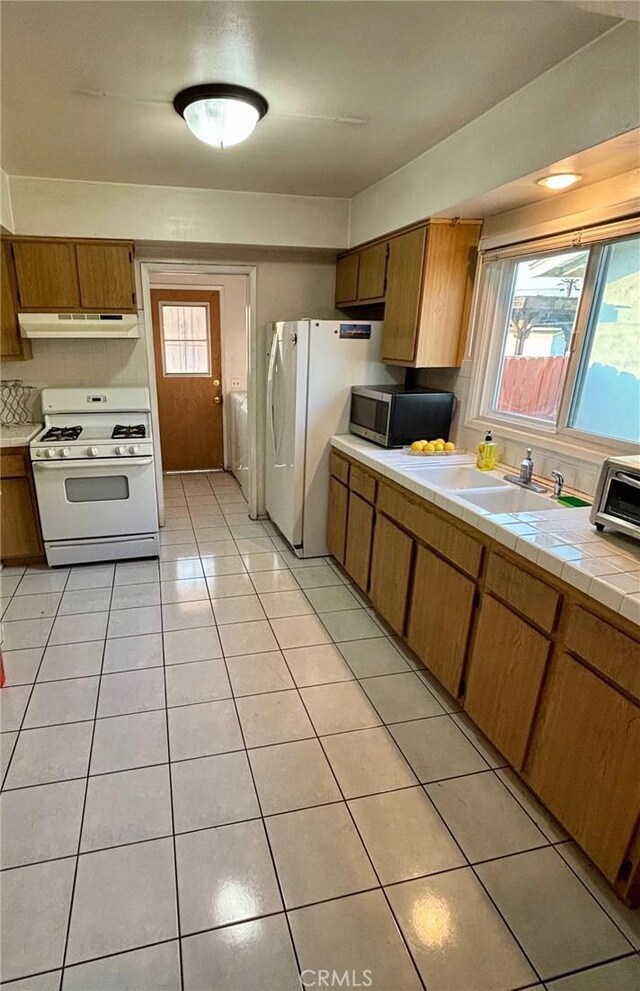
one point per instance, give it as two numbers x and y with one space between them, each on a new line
94 475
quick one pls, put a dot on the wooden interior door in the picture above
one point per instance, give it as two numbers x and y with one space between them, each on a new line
186 338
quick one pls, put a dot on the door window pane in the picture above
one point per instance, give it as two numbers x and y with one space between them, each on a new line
97 488
607 398
535 349
185 338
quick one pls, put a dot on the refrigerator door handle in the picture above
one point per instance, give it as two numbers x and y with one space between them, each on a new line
270 373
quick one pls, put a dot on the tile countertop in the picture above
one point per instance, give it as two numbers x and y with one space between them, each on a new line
19 434
560 540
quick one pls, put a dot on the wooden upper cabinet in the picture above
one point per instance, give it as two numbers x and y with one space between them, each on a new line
52 274
47 274
372 272
506 669
347 279
583 761
105 274
13 347
442 606
402 300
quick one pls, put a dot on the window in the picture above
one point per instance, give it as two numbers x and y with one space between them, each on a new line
185 338
560 341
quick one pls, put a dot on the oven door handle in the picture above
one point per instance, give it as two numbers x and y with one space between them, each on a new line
92 463
628 479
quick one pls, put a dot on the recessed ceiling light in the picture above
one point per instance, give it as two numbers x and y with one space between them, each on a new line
560 180
220 114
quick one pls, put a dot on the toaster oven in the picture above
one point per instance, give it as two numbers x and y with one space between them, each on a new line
616 505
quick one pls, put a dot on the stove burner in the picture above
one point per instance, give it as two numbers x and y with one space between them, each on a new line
62 433
121 432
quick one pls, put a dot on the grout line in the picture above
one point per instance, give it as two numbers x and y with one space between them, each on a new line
84 801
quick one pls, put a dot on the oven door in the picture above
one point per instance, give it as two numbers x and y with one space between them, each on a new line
370 415
93 499
620 505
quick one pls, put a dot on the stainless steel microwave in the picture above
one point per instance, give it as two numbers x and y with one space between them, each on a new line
616 505
395 415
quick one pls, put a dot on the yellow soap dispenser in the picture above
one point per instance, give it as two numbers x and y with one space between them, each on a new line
487 453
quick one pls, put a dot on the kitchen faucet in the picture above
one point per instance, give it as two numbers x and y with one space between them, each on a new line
558 483
525 476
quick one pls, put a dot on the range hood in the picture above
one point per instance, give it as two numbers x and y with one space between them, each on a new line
75 325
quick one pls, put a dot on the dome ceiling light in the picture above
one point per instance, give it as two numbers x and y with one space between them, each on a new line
220 114
560 180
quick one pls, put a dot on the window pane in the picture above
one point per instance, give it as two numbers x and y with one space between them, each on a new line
185 339
607 398
535 349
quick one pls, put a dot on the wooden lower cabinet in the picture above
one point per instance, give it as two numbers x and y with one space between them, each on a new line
358 544
337 518
20 539
440 617
391 572
584 761
504 677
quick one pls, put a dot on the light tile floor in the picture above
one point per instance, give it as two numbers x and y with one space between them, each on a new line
221 771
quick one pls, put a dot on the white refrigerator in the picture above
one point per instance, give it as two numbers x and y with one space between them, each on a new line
311 366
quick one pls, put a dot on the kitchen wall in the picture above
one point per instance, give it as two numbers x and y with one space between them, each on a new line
70 208
545 121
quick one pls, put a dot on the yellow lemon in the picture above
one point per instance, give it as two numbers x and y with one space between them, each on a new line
429 448
417 445
438 440
438 446
449 446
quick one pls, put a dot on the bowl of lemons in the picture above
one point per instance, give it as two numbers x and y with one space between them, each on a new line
431 447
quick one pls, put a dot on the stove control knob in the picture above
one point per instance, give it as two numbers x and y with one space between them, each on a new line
93 452
65 452
121 449
134 449
50 453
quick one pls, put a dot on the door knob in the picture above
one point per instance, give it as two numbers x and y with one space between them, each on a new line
216 381
216 399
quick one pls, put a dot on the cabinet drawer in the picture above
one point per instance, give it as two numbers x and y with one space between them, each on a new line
605 648
338 467
362 483
12 466
523 592
446 538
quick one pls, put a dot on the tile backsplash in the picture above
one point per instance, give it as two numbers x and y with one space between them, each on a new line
80 363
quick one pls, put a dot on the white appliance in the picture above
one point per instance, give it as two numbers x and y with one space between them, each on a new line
93 468
78 325
312 365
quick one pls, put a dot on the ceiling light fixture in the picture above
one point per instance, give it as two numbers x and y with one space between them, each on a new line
560 180
220 114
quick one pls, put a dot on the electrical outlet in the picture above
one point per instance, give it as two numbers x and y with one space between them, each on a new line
236 383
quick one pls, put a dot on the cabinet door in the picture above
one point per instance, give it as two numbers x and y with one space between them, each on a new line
372 272
358 546
19 524
402 297
440 617
12 346
337 518
391 572
46 274
347 279
105 272
584 759
507 665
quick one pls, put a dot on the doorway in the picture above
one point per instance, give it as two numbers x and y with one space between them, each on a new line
186 342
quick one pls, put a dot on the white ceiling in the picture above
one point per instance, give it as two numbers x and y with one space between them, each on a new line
87 87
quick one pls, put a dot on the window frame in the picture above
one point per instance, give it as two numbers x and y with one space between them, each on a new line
163 340
486 343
